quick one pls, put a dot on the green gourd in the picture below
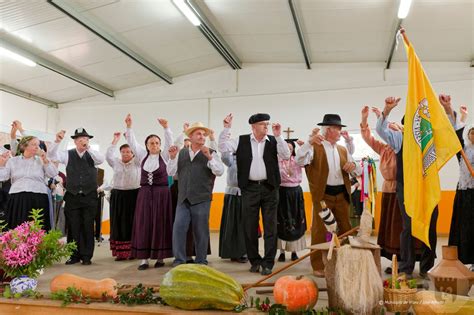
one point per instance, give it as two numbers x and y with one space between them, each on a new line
194 286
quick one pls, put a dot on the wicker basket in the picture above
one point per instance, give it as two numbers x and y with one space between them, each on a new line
397 300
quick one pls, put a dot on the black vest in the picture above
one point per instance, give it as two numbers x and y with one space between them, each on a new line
81 173
244 160
196 180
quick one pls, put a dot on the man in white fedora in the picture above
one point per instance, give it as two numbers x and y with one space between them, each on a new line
197 168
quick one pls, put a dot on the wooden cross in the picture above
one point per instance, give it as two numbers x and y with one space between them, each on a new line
288 131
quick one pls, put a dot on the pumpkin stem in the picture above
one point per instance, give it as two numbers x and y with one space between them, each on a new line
299 277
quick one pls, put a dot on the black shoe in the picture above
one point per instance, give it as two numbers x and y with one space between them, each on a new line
190 261
255 268
120 258
86 262
241 260
143 267
424 275
159 264
266 271
281 258
388 270
72 261
294 256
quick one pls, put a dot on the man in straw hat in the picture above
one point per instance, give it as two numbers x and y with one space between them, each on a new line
258 177
81 192
197 168
328 166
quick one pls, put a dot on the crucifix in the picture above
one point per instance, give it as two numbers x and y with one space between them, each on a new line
288 131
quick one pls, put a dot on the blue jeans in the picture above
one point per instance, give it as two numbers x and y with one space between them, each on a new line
198 215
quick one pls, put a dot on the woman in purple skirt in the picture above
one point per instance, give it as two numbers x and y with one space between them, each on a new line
153 222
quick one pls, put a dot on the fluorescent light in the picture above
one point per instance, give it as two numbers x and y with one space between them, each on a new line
184 8
10 54
404 8
22 37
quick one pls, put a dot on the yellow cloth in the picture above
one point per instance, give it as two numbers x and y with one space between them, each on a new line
429 141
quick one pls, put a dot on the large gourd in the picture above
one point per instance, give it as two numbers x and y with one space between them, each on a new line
94 289
193 286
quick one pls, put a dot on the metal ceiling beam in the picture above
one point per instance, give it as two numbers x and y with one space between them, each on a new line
97 30
56 68
394 44
213 36
28 96
301 38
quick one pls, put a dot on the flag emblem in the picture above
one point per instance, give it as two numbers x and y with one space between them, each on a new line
423 134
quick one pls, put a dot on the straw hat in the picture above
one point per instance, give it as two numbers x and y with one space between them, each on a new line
195 126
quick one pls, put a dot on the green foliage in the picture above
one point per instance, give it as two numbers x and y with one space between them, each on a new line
7 293
137 296
70 295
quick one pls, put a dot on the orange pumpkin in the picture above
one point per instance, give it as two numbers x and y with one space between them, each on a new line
89 287
298 294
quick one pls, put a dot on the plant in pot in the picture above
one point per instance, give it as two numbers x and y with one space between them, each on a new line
28 249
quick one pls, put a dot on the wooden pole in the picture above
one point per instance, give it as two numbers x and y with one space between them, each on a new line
340 237
468 163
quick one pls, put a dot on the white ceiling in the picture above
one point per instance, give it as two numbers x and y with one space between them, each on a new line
259 31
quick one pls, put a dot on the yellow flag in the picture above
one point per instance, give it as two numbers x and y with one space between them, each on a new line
429 141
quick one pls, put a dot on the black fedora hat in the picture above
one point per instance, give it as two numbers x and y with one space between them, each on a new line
81 132
331 120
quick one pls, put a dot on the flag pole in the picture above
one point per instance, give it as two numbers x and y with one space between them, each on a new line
466 160
468 163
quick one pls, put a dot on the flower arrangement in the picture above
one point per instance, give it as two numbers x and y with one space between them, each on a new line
27 248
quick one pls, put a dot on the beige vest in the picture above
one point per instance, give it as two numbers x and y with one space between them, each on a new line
318 171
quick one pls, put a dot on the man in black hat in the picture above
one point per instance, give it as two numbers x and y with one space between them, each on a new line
328 166
81 192
258 177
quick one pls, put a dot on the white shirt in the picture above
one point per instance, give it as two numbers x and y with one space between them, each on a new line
258 171
304 156
63 156
126 175
153 161
27 175
215 165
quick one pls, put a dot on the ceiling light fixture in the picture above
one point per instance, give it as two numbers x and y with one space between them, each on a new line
404 8
10 54
186 10
192 12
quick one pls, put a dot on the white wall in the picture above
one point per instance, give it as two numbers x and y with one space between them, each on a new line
36 117
295 97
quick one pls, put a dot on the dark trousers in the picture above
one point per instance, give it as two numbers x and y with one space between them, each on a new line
80 211
254 197
407 241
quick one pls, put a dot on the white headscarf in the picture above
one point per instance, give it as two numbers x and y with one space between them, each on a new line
465 135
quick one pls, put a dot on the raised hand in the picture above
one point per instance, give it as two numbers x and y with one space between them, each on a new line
464 113
445 100
4 158
390 103
128 121
345 135
173 151
276 128
185 127
299 142
60 136
376 111
315 137
116 139
42 154
349 167
228 121
207 153
365 114
163 122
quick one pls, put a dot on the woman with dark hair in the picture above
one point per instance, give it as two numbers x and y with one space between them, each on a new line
28 172
291 215
153 221
123 197
461 233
